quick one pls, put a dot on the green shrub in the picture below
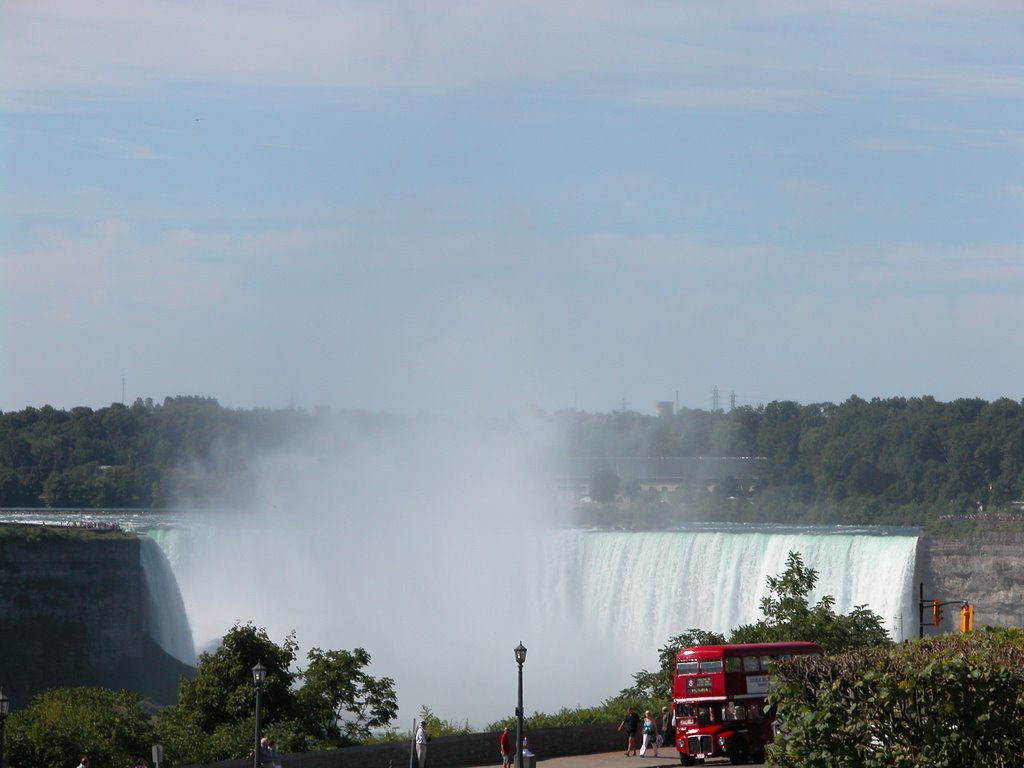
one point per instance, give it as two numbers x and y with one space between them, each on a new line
952 701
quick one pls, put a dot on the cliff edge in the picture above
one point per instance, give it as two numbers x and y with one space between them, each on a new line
986 569
71 609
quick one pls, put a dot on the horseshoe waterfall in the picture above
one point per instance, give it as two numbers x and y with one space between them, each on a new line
593 606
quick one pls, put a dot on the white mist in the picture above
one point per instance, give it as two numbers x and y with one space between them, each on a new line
432 548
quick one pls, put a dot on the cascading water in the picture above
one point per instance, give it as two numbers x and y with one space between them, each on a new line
652 585
441 598
166 620
593 607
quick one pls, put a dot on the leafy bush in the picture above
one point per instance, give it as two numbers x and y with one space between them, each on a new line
62 724
952 700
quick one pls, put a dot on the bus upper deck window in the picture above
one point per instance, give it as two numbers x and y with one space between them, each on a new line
710 666
751 664
734 664
686 668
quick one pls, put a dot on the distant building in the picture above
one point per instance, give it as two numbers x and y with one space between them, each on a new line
665 473
664 408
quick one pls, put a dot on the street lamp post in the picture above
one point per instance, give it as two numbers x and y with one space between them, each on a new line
5 708
259 674
520 652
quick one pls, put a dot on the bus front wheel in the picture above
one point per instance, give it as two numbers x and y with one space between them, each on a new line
738 752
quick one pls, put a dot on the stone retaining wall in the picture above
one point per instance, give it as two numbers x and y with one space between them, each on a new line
453 751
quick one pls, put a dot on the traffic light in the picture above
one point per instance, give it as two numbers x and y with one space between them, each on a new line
936 612
966 617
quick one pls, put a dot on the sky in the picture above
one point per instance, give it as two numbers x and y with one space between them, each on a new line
463 207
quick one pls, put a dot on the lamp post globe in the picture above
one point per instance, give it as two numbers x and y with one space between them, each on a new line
520 652
259 675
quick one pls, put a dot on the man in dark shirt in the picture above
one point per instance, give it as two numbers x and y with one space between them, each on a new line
631 724
668 735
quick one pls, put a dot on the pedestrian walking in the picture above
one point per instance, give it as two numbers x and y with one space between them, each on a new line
668 730
631 724
650 733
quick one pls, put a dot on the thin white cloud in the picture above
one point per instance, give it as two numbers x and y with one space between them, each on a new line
978 136
204 269
684 54
896 146
728 98
251 318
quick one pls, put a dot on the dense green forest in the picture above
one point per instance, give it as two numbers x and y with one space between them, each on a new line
885 461
895 461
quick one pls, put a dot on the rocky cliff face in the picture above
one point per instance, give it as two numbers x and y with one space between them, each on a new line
71 614
984 569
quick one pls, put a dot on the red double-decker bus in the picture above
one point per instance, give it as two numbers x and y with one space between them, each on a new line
719 698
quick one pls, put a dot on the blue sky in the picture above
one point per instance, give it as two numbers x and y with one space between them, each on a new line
456 207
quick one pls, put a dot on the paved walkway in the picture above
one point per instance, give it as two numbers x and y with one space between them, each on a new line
668 758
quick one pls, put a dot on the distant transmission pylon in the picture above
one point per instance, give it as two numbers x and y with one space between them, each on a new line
714 398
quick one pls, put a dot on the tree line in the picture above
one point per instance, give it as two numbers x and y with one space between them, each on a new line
183 451
899 461
894 461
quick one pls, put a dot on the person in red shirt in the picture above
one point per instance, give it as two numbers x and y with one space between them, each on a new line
505 747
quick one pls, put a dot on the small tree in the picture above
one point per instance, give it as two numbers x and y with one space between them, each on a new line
62 724
788 615
339 701
657 686
213 717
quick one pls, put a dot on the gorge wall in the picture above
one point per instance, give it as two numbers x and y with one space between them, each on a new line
987 569
72 614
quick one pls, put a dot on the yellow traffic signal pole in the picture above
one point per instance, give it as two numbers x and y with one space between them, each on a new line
966 617
966 612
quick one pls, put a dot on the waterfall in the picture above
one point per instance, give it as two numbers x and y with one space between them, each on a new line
592 607
646 587
163 608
